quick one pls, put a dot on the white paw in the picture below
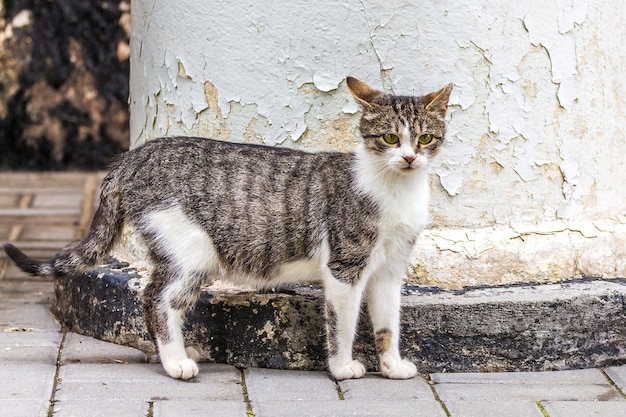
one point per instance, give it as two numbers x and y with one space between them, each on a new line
397 369
182 369
193 353
353 369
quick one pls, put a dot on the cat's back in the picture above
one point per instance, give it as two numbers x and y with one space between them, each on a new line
200 171
188 152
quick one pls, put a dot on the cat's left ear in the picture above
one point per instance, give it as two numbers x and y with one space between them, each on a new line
438 101
364 94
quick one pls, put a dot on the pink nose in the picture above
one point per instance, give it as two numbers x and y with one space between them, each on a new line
409 159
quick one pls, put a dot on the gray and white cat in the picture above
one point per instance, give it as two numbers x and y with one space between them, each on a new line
274 215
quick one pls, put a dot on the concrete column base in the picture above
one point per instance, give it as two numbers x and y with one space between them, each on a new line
571 325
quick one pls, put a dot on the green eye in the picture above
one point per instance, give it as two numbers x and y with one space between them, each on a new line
425 139
390 138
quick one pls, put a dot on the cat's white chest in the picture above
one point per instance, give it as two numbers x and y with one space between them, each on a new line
401 221
403 204
403 214
405 208
402 198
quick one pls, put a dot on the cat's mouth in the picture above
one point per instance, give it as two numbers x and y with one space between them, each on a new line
408 168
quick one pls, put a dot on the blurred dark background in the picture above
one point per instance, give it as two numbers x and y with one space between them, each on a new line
64 68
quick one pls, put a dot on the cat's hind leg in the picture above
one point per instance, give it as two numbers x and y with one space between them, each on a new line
183 256
343 307
383 302
166 301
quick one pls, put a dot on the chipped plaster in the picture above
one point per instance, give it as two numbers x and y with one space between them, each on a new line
536 122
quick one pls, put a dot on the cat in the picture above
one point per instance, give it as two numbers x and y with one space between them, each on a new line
269 215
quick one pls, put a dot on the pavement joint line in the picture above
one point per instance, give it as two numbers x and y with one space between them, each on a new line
55 383
340 392
150 409
244 392
542 409
613 384
432 385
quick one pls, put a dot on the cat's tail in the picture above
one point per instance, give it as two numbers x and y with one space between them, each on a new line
105 226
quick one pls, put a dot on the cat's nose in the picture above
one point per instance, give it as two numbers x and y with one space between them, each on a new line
409 158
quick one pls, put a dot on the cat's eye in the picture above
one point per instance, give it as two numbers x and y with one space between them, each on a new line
390 138
425 139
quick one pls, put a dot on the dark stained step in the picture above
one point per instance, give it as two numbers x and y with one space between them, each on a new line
577 324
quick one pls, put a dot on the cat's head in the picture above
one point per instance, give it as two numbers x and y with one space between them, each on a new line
401 132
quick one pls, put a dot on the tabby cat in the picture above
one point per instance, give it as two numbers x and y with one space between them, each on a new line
266 215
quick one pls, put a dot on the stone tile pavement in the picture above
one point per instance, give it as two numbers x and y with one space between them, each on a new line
46 371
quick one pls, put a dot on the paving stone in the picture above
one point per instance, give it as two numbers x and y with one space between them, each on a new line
78 348
574 377
31 347
46 232
29 290
26 316
585 408
528 392
374 387
26 388
23 408
588 384
68 198
618 375
65 215
101 407
4 228
338 408
199 408
146 382
272 384
9 200
493 408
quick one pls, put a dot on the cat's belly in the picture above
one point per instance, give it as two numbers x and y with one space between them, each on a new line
191 251
303 270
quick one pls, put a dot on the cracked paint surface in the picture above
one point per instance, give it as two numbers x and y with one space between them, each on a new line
536 122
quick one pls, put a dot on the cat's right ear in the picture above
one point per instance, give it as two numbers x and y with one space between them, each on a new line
438 101
362 92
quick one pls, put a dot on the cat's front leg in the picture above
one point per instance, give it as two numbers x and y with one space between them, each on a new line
343 305
383 301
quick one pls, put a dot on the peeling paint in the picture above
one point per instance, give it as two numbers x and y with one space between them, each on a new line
510 254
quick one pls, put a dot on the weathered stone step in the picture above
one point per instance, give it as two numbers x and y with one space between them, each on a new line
570 325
